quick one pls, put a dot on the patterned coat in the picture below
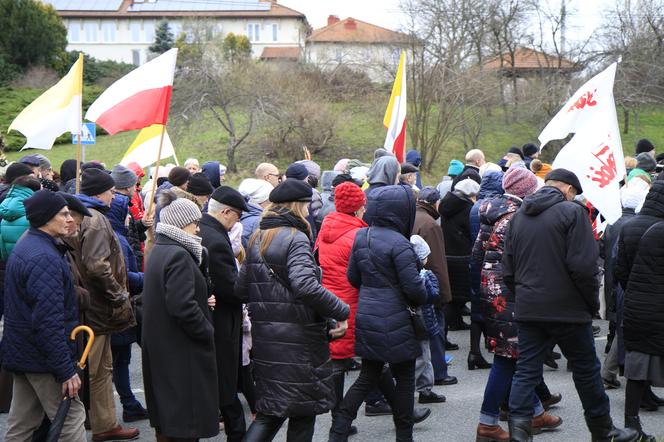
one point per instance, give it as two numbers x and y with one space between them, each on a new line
496 299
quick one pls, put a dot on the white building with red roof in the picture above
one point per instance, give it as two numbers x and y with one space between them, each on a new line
123 30
357 45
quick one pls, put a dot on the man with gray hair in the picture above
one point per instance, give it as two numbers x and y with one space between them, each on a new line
224 211
474 160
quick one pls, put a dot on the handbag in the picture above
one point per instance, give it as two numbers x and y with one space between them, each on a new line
416 316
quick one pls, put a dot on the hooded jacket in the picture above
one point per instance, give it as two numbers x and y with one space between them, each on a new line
413 157
334 245
211 170
385 268
497 300
455 222
383 172
550 260
14 222
250 221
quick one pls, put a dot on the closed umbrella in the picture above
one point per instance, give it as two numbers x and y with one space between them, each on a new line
63 409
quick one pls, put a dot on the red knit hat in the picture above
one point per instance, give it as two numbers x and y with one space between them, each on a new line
519 181
348 197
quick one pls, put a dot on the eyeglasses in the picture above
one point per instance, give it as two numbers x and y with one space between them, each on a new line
237 212
275 174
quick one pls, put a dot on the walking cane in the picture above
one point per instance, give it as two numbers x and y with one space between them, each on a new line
63 409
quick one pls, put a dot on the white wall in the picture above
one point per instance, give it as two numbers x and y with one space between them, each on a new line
379 61
128 40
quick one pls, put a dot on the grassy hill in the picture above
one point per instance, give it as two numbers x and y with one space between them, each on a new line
359 134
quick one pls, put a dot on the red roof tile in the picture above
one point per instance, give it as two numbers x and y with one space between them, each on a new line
526 59
351 30
277 53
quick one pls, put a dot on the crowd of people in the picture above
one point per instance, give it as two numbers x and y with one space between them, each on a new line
276 290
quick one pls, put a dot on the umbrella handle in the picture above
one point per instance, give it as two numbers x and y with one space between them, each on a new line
88 346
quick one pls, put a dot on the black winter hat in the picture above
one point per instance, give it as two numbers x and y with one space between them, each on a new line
91 165
42 206
408 168
230 197
529 149
565 176
516 150
297 171
95 182
199 184
645 161
30 160
178 176
341 178
16 170
291 190
75 204
644 145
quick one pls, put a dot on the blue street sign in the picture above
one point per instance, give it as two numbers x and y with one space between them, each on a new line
88 134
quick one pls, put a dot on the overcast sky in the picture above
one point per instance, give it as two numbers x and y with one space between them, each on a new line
584 15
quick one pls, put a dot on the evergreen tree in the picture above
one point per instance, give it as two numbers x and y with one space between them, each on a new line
163 40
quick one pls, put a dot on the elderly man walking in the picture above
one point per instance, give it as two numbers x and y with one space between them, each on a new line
550 264
40 313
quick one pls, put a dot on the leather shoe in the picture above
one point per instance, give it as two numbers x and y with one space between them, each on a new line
451 346
491 433
380 408
420 414
553 400
450 380
431 397
117 433
545 421
135 414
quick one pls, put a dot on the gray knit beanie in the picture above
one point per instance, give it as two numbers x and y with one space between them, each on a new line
178 212
123 177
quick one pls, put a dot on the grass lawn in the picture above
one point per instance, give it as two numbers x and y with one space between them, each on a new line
359 135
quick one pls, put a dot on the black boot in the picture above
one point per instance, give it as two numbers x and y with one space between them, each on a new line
602 430
477 361
340 430
521 429
634 423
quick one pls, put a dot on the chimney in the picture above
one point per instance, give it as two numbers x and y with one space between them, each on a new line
350 24
332 19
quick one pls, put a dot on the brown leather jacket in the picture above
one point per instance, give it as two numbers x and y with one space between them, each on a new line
100 263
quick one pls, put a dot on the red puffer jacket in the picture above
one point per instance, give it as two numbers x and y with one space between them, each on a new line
334 244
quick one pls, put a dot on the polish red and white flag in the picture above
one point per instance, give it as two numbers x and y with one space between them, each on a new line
139 99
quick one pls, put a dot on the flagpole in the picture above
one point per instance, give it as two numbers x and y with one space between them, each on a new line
175 157
78 147
156 173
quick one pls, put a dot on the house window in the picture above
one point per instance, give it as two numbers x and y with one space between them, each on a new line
135 29
275 32
176 29
254 32
91 32
338 55
148 27
136 57
74 31
108 30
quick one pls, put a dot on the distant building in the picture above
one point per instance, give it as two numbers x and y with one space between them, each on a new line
357 45
526 62
123 30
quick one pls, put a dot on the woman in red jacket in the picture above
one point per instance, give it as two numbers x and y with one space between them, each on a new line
334 245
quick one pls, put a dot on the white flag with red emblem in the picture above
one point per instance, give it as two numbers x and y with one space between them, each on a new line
595 152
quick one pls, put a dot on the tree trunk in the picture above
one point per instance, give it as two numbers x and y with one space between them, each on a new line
230 155
625 121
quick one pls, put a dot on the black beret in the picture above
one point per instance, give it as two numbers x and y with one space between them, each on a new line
408 168
75 204
42 206
30 160
95 181
16 170
565 176
230 197
291 190
199 184
529 149
178 176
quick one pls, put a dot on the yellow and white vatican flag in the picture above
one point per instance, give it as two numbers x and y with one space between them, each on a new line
56 111
145 147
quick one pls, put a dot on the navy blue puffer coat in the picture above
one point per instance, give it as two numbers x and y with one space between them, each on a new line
383 265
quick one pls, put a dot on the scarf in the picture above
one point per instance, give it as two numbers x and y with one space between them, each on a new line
284 218
190 242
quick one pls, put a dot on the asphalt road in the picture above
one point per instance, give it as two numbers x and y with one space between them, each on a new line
455 420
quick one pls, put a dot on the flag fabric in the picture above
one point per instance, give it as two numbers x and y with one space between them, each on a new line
56 111
395 115
595 152
139 99
145 147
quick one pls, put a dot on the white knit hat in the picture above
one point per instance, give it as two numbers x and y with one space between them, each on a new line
422 249
467 187
258 191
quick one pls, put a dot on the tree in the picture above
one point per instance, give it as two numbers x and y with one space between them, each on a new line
32 33
163 38
236 47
